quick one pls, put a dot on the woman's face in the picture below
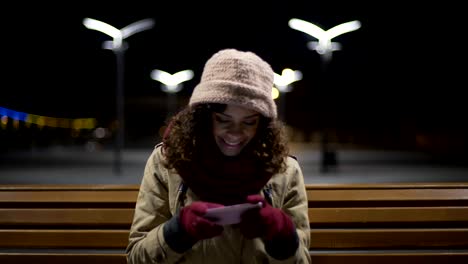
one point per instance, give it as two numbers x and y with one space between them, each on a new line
234 128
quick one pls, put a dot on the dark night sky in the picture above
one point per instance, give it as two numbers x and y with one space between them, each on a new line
405 61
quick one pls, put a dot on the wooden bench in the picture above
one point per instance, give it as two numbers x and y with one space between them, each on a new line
65 223
350 223
389 223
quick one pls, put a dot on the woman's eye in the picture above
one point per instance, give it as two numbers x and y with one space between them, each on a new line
221 120
250 123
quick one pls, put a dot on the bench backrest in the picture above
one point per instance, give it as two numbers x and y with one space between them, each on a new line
65 223
356 223
387 223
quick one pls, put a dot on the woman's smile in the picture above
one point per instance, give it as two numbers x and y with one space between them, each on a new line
234 128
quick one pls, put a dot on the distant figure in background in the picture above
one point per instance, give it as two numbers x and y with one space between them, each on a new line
226 147
329 155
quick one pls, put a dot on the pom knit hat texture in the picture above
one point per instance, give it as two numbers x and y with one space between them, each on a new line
237 77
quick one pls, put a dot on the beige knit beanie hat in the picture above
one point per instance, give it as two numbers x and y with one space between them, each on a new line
237 77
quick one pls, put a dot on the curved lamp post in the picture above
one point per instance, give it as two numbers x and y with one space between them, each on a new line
283 85
171 84
118 46
324 47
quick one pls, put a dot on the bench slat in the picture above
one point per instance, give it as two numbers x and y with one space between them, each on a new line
387 215
317 258
73 196
69 187
391 258
58 258
395 238
37 238
387 185
66 216
318 196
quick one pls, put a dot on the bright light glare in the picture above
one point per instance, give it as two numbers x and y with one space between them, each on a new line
275 93
306 27
100 132
324 44
319 33
102 27
315 45
287 77
343 28
137 27
171 81
118 35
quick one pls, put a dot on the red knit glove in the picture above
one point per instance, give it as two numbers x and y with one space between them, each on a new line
267 222
198 227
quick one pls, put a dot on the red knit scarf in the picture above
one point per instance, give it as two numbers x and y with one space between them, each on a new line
216 178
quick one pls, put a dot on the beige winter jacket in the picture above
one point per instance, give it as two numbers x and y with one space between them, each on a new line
158 201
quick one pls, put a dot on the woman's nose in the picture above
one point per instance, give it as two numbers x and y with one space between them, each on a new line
235 129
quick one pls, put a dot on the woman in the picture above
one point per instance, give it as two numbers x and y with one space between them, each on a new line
225 148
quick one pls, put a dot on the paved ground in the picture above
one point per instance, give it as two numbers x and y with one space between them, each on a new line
60 165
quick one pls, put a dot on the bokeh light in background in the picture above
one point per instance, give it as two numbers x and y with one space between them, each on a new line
7 115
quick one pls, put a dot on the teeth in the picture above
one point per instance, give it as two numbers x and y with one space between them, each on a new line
232 143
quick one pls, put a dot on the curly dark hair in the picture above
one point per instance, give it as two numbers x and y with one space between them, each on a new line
192 125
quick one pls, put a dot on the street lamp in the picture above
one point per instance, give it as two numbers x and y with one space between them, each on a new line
283 85
324 47
118 46
171 84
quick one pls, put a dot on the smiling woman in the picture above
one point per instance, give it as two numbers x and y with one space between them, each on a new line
225 148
